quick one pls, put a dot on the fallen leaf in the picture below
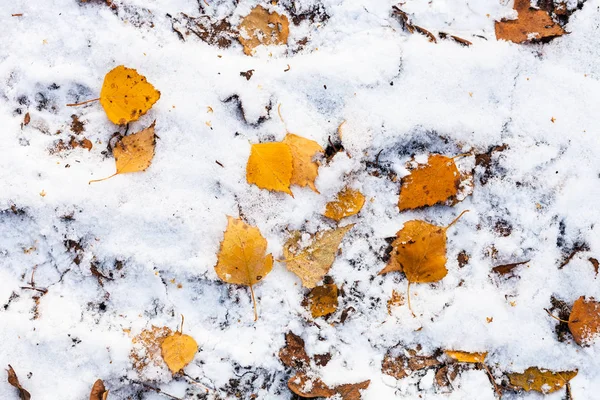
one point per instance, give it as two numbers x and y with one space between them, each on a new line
433 183
13 380
99 392
584 321
270 166
323 300
178 351
147 347
351 391
126 95
348 202
134 153
322 359
309 387
304 169
595 263
506 269
293 354
396 300
402 365
531 24
261 27
242 258
312 263
466 357
541 380
446 375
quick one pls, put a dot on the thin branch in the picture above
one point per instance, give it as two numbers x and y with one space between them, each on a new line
82 103
408 297
556 318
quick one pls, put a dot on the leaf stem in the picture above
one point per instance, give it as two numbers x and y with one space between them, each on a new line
254 303
281 118
82 103
556 318
408 297
496 388
103 179
456 219
181 329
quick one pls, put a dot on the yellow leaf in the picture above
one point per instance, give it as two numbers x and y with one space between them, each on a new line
531 25
178 351
348 202
242 259
541 380
134 153
323 300
126 95
99 392
584 321
270 166
465 357
312 263
304 169
429 184
261 27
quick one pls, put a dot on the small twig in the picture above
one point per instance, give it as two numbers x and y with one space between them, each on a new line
556 318
496 388
82 103
254 302
218 163
157 390
288 68
181 328
457 218
197 383
41 290
408 297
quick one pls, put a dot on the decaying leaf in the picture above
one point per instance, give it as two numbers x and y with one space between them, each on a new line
309 386
396 300
530 25
506 269
351 391
433 183
99 392
294 354
541 380
13 380
304 169
348 202
446 375
178 350
402 365
261 27
126 95
466 357
242 259
146 349
270 166
584 321
134 153
312 263
323 300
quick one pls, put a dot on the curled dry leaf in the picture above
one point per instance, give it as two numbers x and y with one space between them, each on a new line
507 269
396 300
270 166
351 391
13 380
584 321
433 183
402 365
99 392
323 300
304 169
134 153
309 386
531 24
126 95
293 354
242 258
446 375
261 27
178 350
540 380
348 202
466 357
312 263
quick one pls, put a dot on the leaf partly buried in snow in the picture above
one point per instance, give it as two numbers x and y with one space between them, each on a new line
323 300
312 263
270 166
261 27
304 169
98 392
531 24
13 380
126 95
242 258
134 153
541 380
347 203
308 386
406 362
146 347
584 321
466 357
178 351
293 354
433 183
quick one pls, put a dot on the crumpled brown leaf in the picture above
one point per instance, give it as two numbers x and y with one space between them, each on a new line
261 27
293 354
402 365
13 380
530 25
99 392
311 386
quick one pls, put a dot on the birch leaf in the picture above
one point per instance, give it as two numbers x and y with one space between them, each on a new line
270 166
347 203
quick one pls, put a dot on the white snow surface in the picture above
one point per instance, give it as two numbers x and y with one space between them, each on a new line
400 95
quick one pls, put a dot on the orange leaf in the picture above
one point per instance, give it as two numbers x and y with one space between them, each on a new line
541 380
530 25
261 27
178 351
270 166
465 357
323 300
304 169
584 320
348 202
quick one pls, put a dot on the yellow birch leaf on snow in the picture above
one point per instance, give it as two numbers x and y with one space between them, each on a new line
466 357
584 321
134 153
531 24
429 184
98 392
178 351
242 258
541 380
270 166
312 263
347 203
304 169
323 300
261 27
126 95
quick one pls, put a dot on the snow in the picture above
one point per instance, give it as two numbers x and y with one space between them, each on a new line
399 96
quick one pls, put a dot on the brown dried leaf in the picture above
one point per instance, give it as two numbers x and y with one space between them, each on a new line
541 380
351 391
507 268
323 300
309 387
402 365
293 353
445 375
261 27
584 321
99 392
396 300
148 352
347 203
530 25
13 380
